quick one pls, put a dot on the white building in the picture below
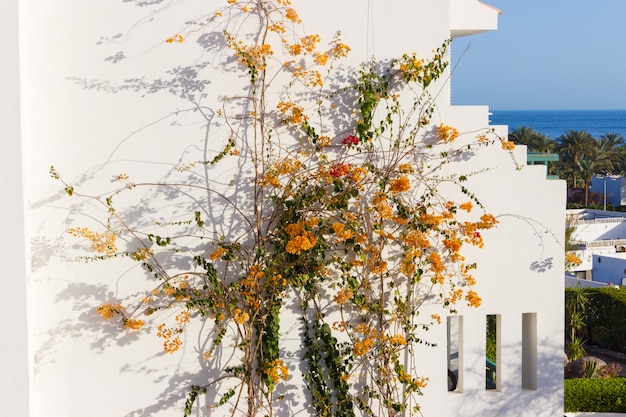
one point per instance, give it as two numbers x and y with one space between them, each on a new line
91 88
611 187
601 239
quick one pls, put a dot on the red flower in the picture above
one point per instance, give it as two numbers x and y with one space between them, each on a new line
350 140
339 170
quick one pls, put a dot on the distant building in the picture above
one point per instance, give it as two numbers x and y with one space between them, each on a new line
611 187
601 240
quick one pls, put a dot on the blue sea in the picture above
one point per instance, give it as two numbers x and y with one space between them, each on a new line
554 123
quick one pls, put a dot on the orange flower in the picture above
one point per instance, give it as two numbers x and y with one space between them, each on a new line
217 254
472 298
343 296
292 15
400 184
240 317
447 134
133 324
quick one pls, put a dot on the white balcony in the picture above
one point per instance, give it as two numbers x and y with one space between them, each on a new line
468 17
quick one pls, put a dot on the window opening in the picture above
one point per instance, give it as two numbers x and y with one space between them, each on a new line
455 353
492 352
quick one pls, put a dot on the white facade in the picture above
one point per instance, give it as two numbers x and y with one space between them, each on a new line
598 234
102 94
609 269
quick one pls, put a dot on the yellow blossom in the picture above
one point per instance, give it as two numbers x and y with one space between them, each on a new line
100 242
472 298
134 324
217 254
361 347
466 206
301 243
397 339
572 259
508 145
240 317
447 133
178 38
400 184
108 311
292 15
277 370
343 296
321 58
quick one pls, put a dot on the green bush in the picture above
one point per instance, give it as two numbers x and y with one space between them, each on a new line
604 317
595 395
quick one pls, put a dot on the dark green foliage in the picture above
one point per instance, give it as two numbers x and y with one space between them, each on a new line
595 395
605 317
491 338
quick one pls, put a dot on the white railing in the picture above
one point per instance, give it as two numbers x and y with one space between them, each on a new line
598 221
601 243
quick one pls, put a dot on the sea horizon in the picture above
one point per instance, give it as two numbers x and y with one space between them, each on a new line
554 123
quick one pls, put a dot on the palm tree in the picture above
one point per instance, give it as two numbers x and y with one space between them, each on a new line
608 151
572 145
533 139
587 166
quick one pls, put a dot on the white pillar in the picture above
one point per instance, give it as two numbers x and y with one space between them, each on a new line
14 381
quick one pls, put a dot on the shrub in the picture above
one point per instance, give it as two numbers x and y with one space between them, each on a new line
595 395
604 317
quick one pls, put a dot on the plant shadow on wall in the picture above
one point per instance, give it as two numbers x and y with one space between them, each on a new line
313 194
529 402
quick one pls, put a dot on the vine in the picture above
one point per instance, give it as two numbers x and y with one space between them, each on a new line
351 223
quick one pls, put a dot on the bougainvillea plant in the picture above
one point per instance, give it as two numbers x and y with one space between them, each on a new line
341 217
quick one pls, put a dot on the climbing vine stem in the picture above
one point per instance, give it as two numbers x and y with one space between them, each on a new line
335 214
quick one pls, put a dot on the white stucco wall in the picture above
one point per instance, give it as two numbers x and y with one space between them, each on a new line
14 350
610 269
102 94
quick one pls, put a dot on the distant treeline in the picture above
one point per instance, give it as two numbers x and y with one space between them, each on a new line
580 154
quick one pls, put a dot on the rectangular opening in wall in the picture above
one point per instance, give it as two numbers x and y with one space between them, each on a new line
529 351
455 353
492 360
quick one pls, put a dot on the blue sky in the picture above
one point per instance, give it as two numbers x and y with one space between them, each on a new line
546 54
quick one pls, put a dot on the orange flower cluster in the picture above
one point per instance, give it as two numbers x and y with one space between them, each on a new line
342 232
217 254
295 114
507 145
382 207
292 15
447 134
108 311
400 184
412 68
361 347
398 340
301 239
572 259
141 254
171 340
343 296
178 38
277 370
133 324
100 242
251 56
472 298
240 317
